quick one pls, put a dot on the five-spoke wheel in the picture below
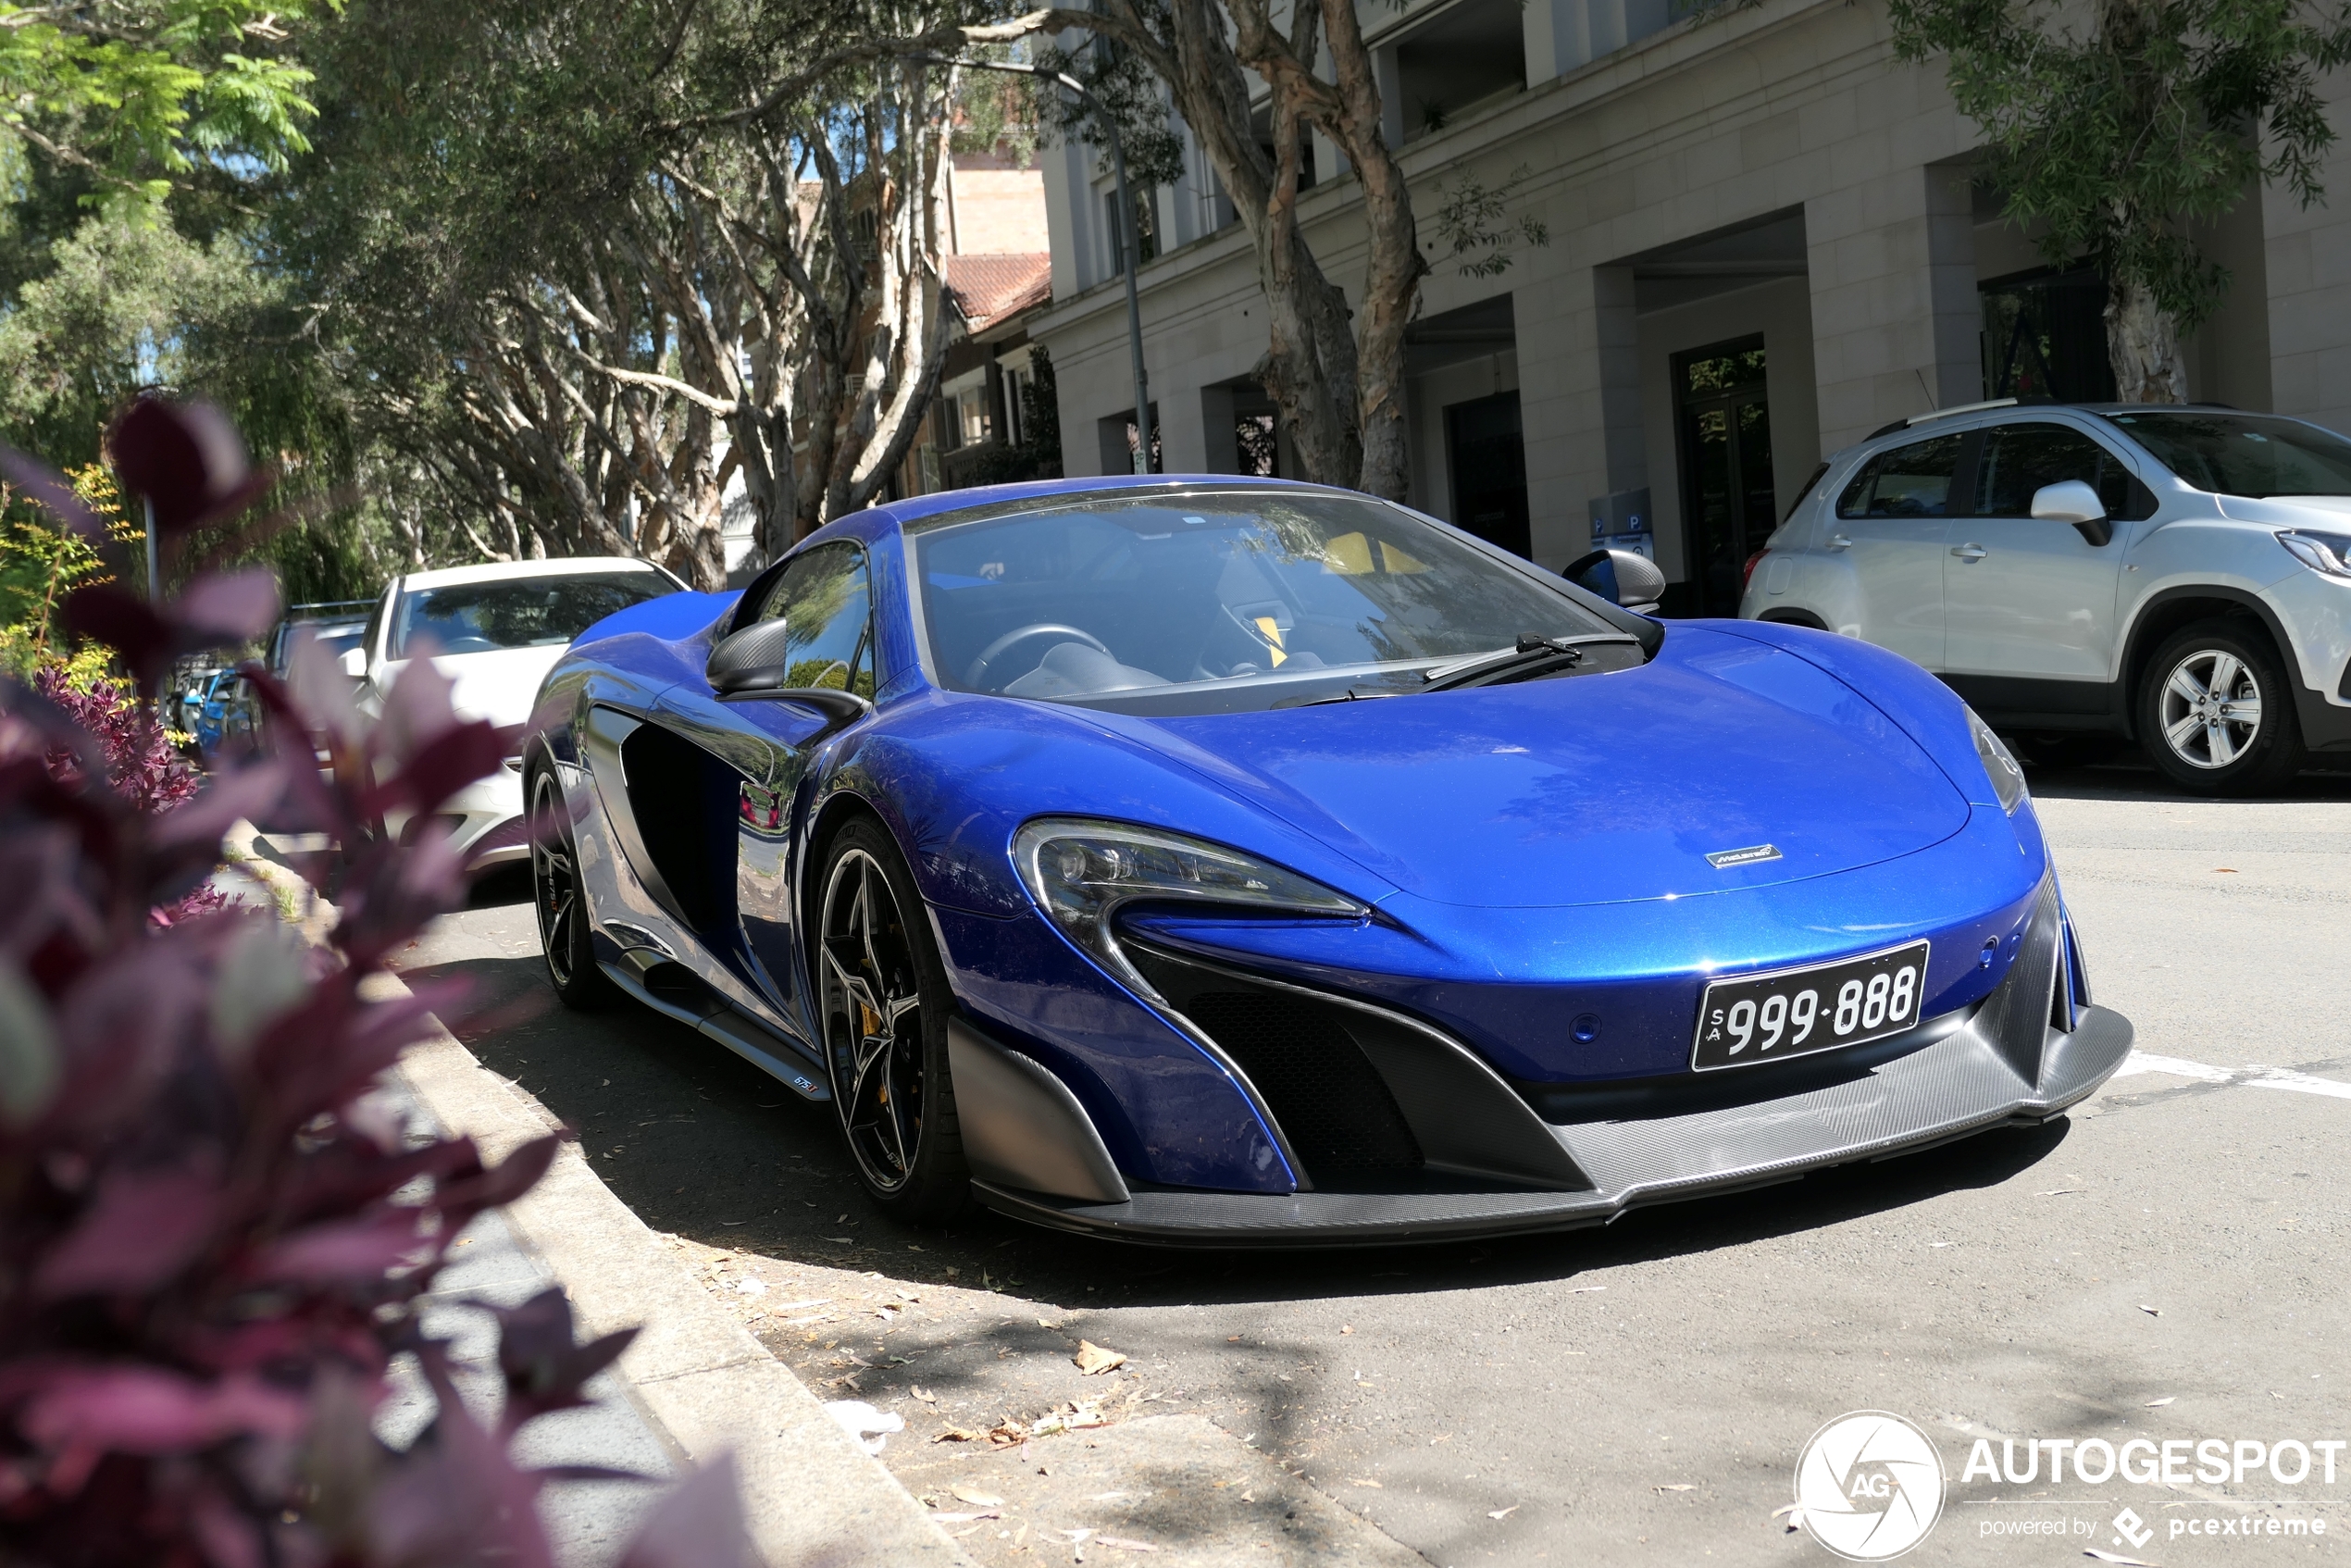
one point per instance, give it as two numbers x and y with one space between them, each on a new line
554 890
884 997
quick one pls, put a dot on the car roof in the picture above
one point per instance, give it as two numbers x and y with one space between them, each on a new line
504 571
1045 490
2045 406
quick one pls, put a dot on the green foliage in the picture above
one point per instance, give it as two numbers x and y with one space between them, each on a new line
41 561
2120 139
1129 93
138 92
1474 223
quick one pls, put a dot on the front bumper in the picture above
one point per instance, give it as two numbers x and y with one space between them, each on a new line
2023 1055
484 820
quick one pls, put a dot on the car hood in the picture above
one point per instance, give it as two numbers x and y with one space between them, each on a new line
2287 510
499 687
1592 789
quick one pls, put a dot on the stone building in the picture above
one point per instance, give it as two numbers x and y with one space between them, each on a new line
1764 242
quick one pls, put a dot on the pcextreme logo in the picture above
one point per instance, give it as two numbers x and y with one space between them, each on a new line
1870 1486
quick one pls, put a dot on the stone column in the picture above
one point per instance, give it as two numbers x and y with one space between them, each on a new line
1895 318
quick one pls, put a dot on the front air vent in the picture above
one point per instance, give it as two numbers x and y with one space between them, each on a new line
1336 1112
1331 1103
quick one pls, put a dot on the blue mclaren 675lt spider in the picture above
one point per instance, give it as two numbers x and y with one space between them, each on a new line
1238 863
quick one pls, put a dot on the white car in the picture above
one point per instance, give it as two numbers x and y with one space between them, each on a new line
495 631
2180 575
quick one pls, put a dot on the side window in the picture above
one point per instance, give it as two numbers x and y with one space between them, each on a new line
825 606
1910 482
2019 459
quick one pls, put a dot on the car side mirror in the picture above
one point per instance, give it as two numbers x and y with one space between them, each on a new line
355 662
754 663
2071 500
1624 577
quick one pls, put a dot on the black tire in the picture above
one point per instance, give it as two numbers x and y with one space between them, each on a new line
2193 699
556 897
884 1000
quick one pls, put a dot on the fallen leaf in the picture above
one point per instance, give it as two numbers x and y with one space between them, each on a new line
1123 1544
1445 1439
1502 1512
2151 1311
1366 1481
1793 1512
1346 1328
844 1241
751 1287
1678 1486
1048 1323
959 1435
2216 871
2059 1192
976 1497
2164 1400
1093 1361
967 1518
1587 1289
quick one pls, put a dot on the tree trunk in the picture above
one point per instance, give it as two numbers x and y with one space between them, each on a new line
1393 268
2144 342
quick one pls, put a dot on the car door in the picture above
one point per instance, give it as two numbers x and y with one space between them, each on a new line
824 598
2028 597
1890 524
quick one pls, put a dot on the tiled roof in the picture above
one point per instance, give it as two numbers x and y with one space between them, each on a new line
988 288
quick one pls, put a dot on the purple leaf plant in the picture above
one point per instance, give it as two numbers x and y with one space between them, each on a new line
214 1237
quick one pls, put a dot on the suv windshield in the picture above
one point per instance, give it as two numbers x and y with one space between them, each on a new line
479 617
2243 454
1216 601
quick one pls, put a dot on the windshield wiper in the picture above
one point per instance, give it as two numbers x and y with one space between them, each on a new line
1534 654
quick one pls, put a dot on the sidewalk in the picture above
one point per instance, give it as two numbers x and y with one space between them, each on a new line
692 1386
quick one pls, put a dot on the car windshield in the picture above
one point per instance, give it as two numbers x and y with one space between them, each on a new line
2243 454
1216 601
479 617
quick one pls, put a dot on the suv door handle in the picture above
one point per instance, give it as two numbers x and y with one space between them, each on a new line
1970 552
1838 541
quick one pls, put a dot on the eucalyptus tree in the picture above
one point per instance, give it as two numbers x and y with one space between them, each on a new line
2121 127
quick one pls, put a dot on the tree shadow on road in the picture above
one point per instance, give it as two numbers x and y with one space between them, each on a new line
703 1145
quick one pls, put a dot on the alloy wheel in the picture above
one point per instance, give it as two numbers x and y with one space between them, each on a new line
873 1020
554 877
2211 708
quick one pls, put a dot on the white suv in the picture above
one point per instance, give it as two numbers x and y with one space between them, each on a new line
2089 573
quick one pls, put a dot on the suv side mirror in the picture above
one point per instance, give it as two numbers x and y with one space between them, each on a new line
355 662
1624 577
2071 500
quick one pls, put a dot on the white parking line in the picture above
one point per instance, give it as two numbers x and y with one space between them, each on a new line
2245 1078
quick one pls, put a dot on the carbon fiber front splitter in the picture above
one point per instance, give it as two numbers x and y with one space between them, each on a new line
1963 1082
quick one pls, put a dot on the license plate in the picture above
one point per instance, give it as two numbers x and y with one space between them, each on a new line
1821 1007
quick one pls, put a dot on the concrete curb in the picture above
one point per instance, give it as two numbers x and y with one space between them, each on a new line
811 1495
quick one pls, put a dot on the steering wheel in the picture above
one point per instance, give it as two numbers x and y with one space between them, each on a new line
1020 634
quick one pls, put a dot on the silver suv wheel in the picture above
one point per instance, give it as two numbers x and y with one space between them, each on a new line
2211 708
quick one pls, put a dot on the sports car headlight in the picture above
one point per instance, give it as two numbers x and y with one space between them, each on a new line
1080 871
2328 552
2000 765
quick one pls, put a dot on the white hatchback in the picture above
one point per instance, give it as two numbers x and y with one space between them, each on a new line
495 631
2086 574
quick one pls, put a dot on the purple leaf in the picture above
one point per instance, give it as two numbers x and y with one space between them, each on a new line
698 1524
144 1228
52 489
149 1410
344 1253
185 459
233 606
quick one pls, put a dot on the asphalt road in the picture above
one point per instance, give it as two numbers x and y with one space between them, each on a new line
2166 1264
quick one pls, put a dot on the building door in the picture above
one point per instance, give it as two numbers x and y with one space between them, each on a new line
1728 504
1489 471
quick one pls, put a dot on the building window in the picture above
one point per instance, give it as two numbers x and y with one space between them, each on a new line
972 413
1462 60
2045 336
1017 379
1146 227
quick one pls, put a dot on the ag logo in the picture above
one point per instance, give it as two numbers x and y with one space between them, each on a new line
1869 1485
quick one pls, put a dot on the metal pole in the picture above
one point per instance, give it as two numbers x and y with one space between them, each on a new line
1129 242
154 574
